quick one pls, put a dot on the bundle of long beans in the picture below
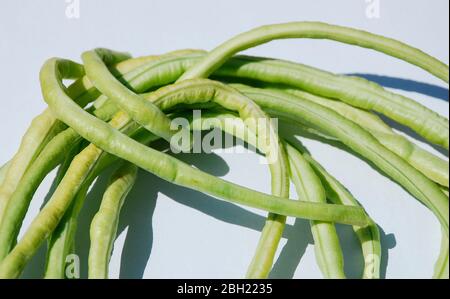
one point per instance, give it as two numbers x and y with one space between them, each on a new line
118 106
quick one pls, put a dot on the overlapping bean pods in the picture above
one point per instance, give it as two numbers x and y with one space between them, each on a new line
122 121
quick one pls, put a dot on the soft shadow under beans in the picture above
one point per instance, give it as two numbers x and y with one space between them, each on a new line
298 238
428 89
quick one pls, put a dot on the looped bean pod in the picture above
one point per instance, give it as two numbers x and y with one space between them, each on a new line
96 68
358 140
423 121
45 126
352 90
163 165
359 130
316 30
369 236
151 118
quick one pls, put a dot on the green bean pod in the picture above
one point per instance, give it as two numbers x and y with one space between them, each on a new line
150 117
161 164
104 225
352 90
96 62
433 167
424 121
51 256
358 140
441 266
369 236
3 171
50 157
78 177
328 250
317 30
45 126
54 151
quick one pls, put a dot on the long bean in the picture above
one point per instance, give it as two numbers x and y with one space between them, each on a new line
129 72
104 225
441 266
328 251
369 236
317 30
424 122
63 236
163 165
354 91
3 171
62 171
338 109
358 140
96 62
45 126
153 119
51 156
81 172
430 165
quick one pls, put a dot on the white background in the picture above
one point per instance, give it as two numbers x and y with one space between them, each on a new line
171 232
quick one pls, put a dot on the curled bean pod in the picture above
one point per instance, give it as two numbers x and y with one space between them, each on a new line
369 236
328 251
45 126
163 165
54 151
104 225
316 30
96 68
354 91
358 140
424 121
150 117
